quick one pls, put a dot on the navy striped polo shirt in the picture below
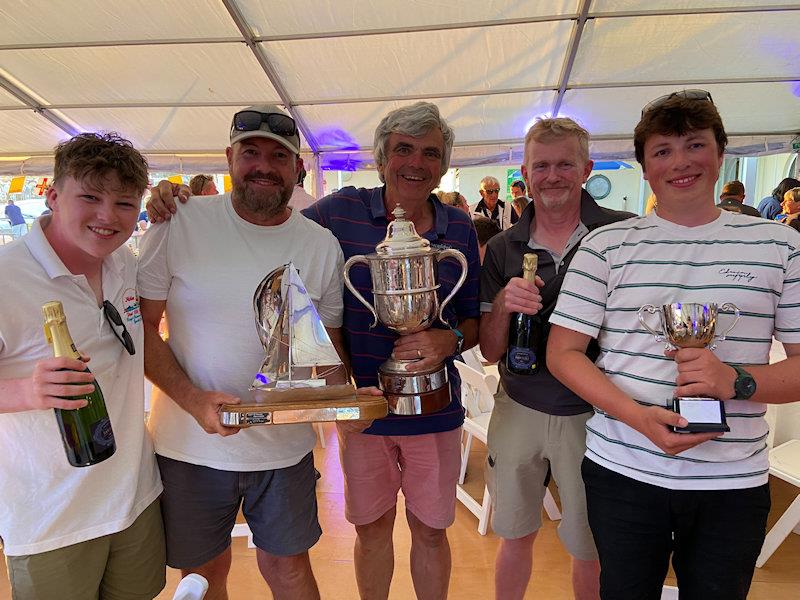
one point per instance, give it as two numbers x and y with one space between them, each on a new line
357 218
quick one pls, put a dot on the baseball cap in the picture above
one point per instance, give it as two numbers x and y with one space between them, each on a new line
265 121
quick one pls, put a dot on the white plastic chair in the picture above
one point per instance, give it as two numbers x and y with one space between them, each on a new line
784 462
191 587
473 358
477 394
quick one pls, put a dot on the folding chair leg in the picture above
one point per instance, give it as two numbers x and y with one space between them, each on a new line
788 521
321 433
550 506
486 511
467 446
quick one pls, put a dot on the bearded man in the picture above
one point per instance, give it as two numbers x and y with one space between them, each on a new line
203 266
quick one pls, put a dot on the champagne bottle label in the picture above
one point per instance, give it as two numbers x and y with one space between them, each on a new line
102 435
521 358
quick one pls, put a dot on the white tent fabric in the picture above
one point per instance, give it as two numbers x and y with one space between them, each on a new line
168 74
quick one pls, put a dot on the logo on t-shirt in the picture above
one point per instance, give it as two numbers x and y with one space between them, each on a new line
130 305
737 275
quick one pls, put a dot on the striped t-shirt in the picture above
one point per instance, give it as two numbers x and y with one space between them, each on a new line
751 262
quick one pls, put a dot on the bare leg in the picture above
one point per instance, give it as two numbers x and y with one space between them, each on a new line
289 577
216 572
513 567
374 557
586 579
430 559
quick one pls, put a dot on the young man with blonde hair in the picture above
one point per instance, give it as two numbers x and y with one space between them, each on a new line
94 531
538 425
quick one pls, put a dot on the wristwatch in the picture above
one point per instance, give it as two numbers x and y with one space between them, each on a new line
459 341
744 386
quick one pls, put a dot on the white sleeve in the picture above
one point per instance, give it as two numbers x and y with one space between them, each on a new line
154 277
581 302
331 305
787 313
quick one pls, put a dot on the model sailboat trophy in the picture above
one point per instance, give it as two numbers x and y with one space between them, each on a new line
291 385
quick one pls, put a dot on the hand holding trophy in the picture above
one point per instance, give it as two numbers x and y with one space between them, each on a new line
692 325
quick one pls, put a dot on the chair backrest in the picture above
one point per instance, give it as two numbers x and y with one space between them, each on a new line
472 358
476 390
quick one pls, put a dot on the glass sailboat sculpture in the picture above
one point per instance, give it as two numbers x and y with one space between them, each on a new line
299 352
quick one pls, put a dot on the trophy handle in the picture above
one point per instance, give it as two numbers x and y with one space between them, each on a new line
649 308
450 252
736 317
346 273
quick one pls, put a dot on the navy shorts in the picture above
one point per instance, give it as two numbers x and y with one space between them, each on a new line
200 505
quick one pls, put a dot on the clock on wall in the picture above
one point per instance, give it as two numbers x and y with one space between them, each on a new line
599 186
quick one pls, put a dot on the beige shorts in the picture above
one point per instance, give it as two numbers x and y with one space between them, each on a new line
523 444
127 565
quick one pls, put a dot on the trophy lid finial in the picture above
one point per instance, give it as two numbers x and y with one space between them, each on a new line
402 237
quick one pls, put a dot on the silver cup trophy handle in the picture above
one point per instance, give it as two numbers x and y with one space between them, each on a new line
346 273
731 307
463 262
649 308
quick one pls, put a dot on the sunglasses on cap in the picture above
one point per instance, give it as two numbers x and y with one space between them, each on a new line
113 318
688 94
251 120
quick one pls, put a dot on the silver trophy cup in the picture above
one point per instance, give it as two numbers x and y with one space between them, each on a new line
688 324
692 325
403 270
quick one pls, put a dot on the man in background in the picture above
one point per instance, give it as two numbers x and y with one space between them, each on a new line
490 205
300 197
520 200
732 199
18 225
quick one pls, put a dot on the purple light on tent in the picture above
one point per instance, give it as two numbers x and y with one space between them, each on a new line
337 139
796 88
340 163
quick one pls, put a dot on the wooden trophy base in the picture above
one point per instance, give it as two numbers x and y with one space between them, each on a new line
304 405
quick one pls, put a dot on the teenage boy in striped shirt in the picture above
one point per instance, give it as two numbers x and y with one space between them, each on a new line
702 497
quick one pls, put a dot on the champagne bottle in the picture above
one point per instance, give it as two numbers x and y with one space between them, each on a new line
86 432
524 330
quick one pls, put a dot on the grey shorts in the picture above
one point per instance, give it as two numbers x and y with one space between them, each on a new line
200 505
524 445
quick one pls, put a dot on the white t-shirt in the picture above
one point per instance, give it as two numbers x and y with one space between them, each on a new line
45 502
751 262
206 262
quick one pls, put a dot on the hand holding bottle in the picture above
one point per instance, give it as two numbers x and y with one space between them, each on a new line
521 296
54 380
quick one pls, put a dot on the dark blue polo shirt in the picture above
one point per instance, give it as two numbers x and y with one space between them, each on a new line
357 218
14 214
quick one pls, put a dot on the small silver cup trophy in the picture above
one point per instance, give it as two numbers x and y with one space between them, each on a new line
403 269
692 325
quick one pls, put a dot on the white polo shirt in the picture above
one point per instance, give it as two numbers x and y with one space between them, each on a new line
45 502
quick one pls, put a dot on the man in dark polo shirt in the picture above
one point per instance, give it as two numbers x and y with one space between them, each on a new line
538 425
412 151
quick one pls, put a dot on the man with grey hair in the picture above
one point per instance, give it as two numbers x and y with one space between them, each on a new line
537 427
490 205
419 454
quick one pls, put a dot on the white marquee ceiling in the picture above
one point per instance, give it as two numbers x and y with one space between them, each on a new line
168 74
